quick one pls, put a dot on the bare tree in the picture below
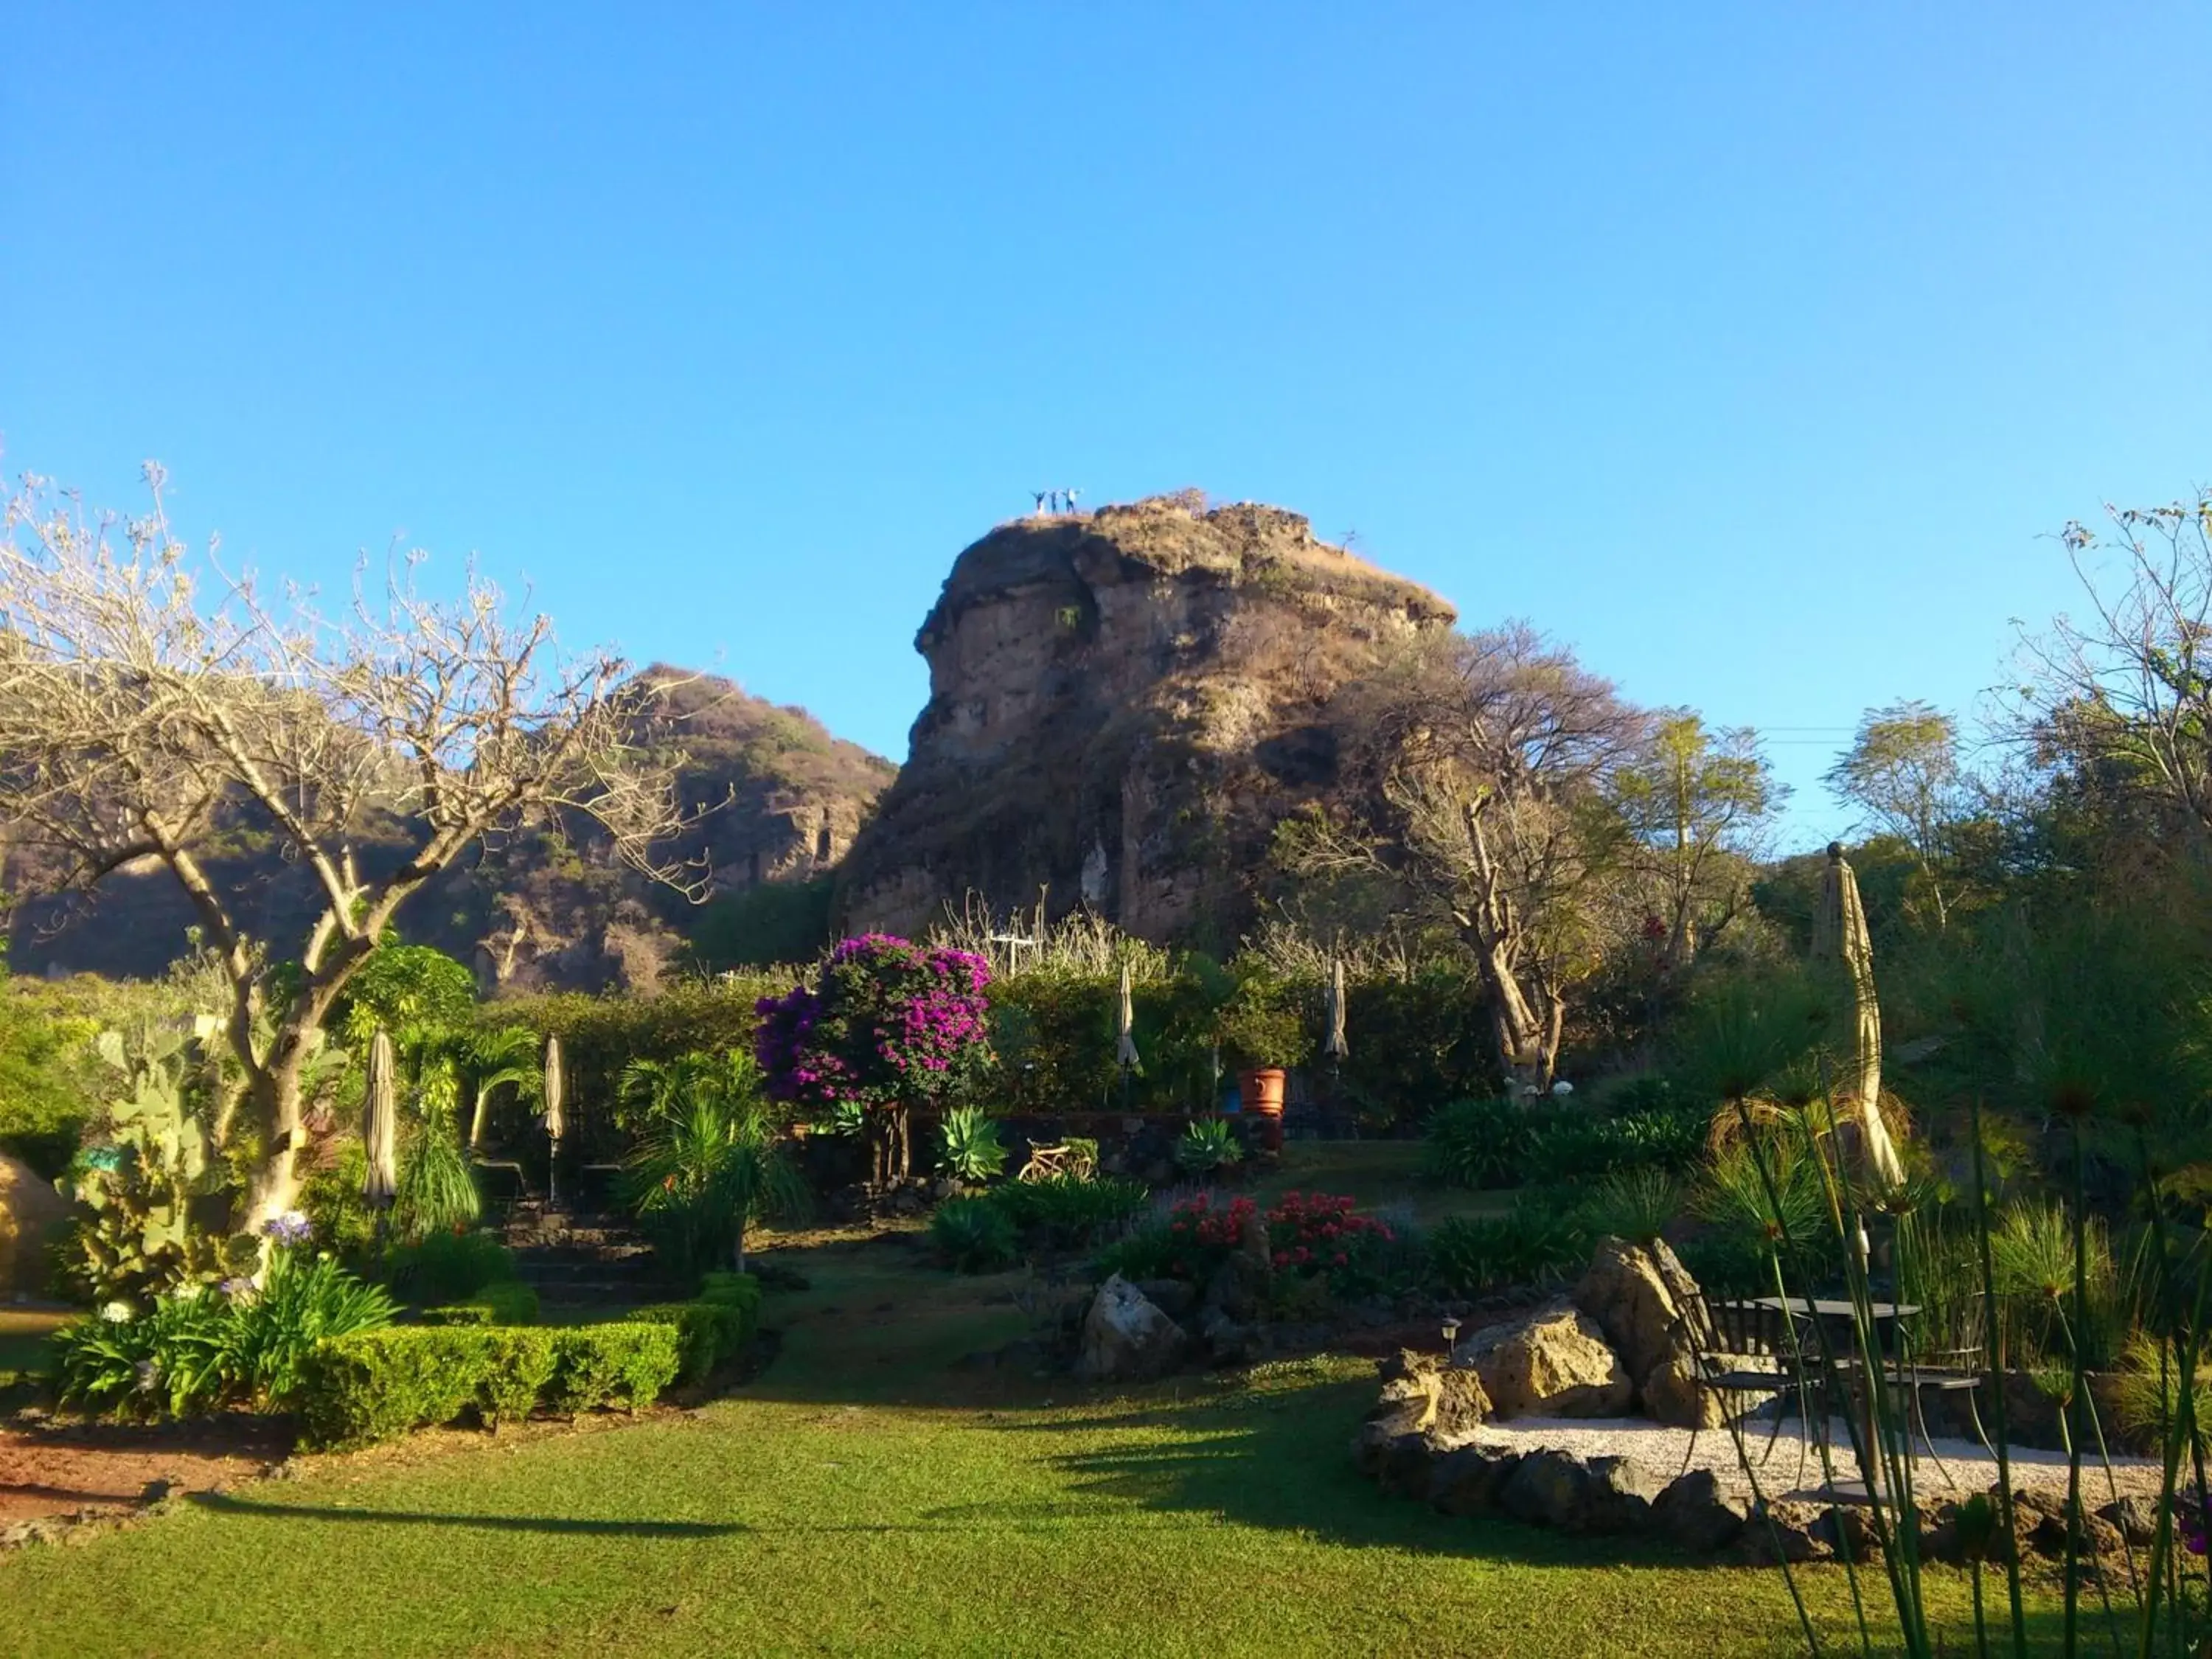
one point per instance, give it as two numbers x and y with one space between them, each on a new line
148 697
1902 773
2130 685
1492 753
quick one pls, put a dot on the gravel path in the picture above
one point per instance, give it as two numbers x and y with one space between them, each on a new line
1957 1468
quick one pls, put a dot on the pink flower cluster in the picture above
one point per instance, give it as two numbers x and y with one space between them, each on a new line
889 1023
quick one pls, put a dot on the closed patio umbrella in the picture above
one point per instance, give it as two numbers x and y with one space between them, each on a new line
379 1123
1334 1044
556 1124
1124 1023
1840 932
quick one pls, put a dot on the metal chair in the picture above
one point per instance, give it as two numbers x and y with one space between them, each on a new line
1746 1351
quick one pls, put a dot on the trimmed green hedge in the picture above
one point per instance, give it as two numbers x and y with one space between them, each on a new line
377 1385
511 1302
713 1328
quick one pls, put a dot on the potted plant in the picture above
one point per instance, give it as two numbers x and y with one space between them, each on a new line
1263 1031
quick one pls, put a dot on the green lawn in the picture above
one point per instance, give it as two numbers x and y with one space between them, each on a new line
1373 1172
23 1333
867 1494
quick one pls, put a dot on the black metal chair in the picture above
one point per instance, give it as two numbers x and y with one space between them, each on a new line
1746 1353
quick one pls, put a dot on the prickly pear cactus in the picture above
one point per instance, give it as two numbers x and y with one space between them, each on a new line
151 1187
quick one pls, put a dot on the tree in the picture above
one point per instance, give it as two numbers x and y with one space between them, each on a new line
1902 773
1492 757
2128 689
1695 803
887 1027
150 699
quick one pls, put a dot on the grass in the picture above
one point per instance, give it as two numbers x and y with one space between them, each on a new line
870 1493
23 1334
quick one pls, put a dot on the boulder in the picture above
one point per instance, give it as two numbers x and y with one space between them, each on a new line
1547 1489
1551 1360
1173 1296
32 1216
1126 1339
1644 1301
1781 1531
2135 1518
1467 1481
1699 1513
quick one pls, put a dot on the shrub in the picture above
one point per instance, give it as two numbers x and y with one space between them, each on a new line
142 1365
508 1302
1065 1210
1479 1143
1145 1252
1470 1254
437 1188
198 1349
1569 1144
1636 1205
1315 1236
599 1366
1205 1146
969 1147
708 1333
1202 1234
300 1301
446 1269
890 1024
973 1234
375 1385
711 1164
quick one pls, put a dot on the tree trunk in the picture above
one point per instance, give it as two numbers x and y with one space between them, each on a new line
1521 1047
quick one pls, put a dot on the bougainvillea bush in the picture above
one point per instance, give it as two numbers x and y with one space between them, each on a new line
889 1025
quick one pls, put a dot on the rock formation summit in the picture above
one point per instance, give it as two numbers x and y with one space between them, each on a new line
1122 706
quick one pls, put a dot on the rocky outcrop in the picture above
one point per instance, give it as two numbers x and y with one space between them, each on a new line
1551 1361
1126 1339
1644 1301
1122 706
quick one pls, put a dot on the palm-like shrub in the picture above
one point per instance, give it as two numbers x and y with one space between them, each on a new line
969 1147
1636 1205
710 1164
437 1190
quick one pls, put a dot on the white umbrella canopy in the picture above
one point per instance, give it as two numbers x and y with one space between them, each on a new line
379 1122
1125 1037
557 1124
1335 1044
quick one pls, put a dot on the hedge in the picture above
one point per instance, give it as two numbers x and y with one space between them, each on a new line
714 1327
377 1385
508 1302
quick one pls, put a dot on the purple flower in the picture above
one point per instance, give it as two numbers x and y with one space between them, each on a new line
289 1229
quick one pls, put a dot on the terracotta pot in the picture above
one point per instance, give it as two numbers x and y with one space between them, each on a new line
1261 1091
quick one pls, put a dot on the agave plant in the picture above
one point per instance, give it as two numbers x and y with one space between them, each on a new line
969 1147
1207 1146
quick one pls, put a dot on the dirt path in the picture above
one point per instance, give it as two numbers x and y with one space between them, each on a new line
76 1467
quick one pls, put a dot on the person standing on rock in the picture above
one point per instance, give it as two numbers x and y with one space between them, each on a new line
1071 500
1040 496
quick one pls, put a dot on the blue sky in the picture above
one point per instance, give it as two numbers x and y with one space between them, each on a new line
1752 348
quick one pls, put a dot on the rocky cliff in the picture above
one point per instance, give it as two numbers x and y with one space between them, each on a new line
779 799
1122 706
